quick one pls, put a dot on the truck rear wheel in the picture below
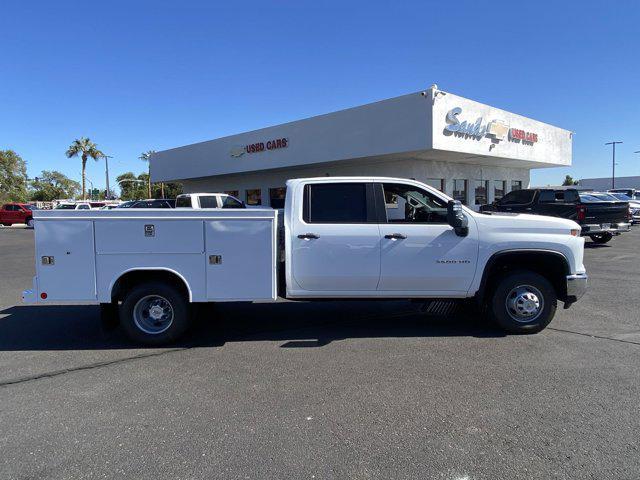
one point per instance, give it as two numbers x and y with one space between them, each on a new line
523 302
601 237
154 313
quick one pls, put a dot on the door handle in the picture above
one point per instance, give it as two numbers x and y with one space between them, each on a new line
308 236
395 236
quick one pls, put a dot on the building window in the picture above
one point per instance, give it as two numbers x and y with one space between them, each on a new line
254 197
460 190
516 185
437 183
481 192
233 193
499 186
276 197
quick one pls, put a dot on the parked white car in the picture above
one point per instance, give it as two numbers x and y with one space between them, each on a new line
73 206
208 200
341 238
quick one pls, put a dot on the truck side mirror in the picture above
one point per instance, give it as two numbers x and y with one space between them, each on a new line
457 219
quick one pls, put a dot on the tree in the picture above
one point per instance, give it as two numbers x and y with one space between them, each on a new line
568 180
13 177
131 187
146 157
86 149
52 185
134 187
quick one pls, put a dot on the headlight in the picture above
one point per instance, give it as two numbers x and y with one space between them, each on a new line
575 232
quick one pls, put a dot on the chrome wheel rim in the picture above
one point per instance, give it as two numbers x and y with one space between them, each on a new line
524 303
153 314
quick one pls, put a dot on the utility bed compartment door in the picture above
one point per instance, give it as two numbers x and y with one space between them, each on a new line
72 274
158 236
240 256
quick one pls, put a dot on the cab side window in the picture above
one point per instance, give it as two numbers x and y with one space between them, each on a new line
230 202
517 197
338 203
409 204
208 201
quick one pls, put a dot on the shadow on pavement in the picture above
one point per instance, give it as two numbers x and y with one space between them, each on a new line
596 245
297 324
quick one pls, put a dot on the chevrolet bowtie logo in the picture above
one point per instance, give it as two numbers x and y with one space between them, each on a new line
497 129
237 151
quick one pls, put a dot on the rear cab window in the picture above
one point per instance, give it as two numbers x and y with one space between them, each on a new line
338 203
183 202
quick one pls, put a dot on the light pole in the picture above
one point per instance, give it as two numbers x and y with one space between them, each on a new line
87 179
106 172
613 165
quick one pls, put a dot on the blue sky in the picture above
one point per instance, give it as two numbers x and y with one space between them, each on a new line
135 76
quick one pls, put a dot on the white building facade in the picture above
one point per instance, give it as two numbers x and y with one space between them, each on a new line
471 151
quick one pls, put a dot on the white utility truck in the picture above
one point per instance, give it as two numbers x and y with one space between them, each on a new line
342 238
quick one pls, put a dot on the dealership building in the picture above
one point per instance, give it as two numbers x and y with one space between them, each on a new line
471 151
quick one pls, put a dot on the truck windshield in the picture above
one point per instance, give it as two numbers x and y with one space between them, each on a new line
66 207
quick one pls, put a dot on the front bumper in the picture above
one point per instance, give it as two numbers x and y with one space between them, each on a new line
590 229
576 286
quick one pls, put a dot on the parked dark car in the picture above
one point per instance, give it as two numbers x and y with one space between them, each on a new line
600 219
155 203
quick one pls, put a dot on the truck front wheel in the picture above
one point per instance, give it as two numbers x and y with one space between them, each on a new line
523 302
154 313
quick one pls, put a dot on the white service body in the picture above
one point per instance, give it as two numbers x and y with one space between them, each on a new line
233 255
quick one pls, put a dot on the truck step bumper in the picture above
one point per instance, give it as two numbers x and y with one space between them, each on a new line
576 286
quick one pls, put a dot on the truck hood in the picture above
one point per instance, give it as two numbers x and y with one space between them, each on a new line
522 222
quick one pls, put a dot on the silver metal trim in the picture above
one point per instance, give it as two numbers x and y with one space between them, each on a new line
576 286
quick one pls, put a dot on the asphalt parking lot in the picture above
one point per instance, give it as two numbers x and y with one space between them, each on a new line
324 390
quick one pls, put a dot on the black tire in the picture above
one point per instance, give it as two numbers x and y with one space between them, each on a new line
158 332
601 237
512 303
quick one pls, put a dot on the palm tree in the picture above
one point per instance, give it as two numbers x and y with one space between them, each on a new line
85 148
145 157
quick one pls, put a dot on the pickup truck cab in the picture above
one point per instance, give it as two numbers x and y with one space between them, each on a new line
339 238
599 219
208 200
11 213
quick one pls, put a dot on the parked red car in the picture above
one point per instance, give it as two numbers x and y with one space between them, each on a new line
11 213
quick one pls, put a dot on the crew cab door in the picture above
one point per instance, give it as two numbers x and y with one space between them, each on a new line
335 239
420 251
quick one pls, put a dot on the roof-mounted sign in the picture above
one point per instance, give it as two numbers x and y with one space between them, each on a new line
496 129
258 147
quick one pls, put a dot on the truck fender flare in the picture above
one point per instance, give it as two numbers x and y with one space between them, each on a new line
493 259
146 269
